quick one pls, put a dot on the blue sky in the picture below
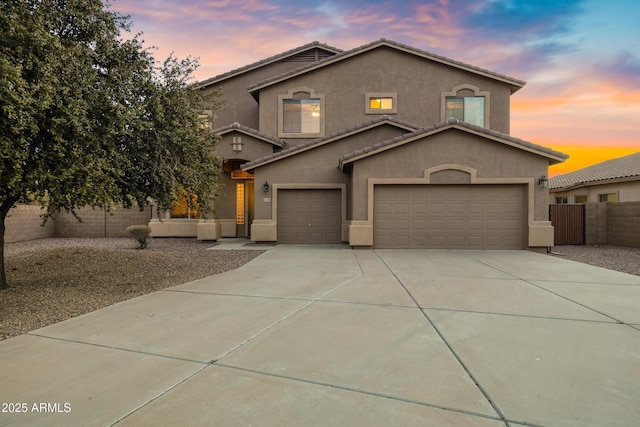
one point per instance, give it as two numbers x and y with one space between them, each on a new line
580 58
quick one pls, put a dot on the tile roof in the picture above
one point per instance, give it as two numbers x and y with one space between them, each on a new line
515 83
555 156
321 141
250 131
266 61
622 167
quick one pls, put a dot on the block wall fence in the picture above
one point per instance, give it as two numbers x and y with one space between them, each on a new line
24 222
613 224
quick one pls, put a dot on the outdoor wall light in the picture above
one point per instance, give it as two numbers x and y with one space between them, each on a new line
237 144
543 182
265 187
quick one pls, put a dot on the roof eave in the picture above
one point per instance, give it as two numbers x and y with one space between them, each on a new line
553 157
325 140
250 132
267 61
514 84
594 183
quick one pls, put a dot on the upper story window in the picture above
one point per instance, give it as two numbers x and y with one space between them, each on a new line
381 103
467 103
301 114
469 109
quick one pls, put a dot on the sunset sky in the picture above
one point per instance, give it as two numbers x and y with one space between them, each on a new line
580 58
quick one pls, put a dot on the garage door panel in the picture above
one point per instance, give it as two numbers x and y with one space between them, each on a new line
450 216
456 208
475 225
419 224
454 224
437 208
309 216
437 224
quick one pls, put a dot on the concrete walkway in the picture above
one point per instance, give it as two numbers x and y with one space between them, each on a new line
329 336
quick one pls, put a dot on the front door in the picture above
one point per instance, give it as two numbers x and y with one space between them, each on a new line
244 208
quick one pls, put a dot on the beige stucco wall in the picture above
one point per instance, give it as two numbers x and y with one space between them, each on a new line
491 159
417 162
239 106
626 191
418 83
313 166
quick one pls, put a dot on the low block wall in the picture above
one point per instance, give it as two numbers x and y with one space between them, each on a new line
100 223
24 223
624 224
611 223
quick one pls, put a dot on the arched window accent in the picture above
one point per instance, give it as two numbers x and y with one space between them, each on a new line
301 114
466 103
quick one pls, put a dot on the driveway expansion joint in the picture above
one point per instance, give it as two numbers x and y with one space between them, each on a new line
482 390
110 347
360 391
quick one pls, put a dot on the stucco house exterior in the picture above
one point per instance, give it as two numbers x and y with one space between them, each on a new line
384 146
614 180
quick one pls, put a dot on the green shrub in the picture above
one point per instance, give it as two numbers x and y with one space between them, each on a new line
140 233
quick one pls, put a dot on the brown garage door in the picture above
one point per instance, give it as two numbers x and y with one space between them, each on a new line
450 216
309 216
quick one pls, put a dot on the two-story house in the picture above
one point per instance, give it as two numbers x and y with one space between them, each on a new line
384 145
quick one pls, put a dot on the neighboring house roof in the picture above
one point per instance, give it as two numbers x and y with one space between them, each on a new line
327 139
270 60
237 127
514 83
554 156
625 168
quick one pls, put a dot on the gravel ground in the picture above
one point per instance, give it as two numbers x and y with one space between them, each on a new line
51 280
619 258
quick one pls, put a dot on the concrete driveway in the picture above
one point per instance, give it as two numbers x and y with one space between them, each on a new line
324 336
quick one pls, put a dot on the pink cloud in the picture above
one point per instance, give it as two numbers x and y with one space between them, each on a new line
570 98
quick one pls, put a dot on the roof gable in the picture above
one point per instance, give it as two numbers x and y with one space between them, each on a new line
314 51
515 84
382 120
613 169
451 123
237 127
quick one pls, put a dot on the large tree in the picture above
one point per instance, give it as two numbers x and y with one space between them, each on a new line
88 118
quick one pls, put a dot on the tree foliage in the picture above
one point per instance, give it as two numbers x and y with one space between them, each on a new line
89 118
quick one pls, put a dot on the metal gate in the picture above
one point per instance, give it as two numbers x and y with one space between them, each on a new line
568 224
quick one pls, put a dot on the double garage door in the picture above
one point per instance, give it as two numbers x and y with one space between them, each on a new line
450 216
309 216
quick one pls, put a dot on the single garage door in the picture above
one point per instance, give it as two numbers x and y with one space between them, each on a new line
450 216
309 216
